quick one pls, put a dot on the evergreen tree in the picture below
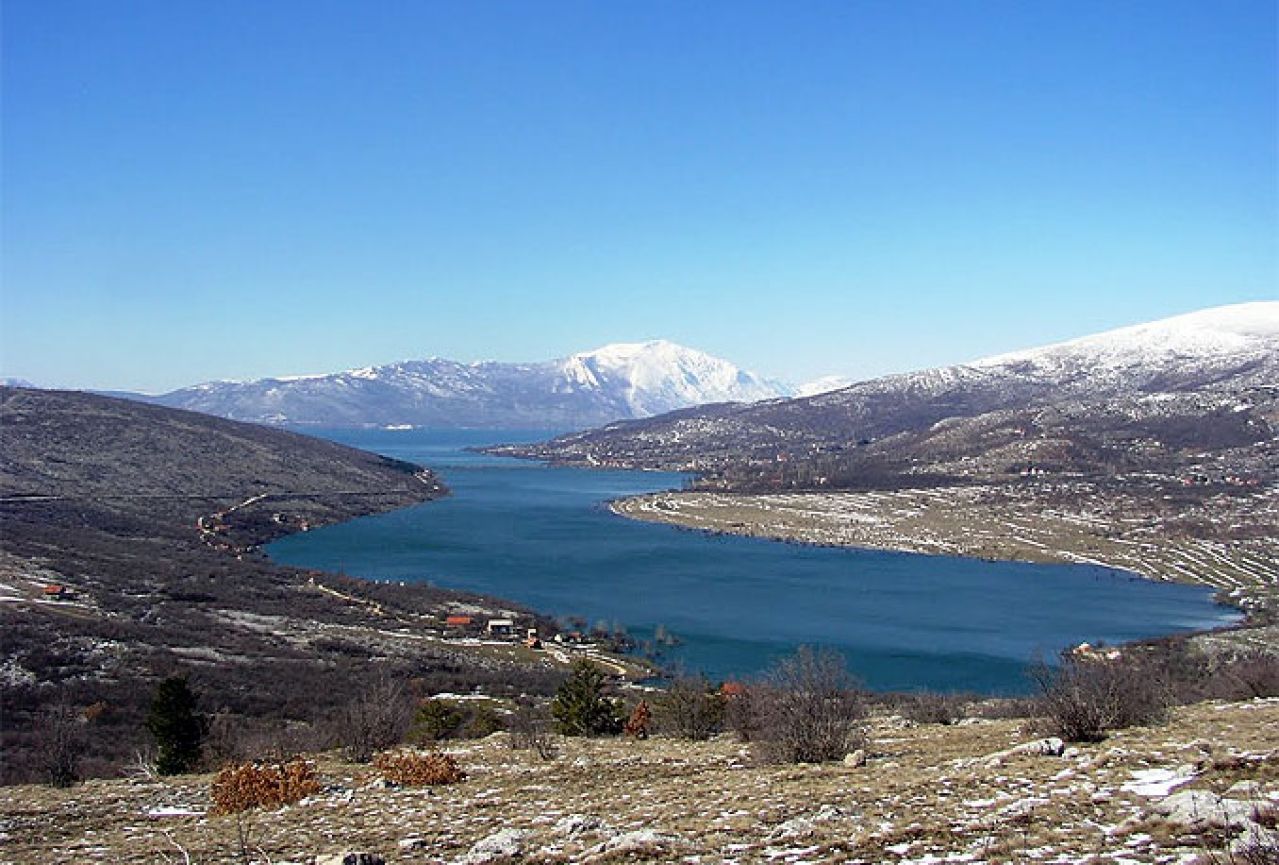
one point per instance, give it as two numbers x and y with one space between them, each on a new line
176 726
580 707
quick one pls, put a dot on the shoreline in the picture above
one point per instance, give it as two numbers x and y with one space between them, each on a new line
923 522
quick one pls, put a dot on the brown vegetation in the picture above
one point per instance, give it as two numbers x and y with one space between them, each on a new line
413 769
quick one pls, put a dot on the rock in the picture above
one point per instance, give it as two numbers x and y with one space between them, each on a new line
1198 808
573 825
412 843
1049 747
796 827
507 843
639 841
856 758
828 812
350 859
1255 837
1250 790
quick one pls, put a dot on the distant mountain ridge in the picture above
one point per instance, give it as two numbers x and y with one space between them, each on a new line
615 382
1210 363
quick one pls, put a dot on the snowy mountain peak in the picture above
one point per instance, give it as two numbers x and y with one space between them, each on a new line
660 376
1209 334
614 382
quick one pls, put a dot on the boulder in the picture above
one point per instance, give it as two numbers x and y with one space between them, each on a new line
641 841
574 825
505 844
855 759
1200 808
350 859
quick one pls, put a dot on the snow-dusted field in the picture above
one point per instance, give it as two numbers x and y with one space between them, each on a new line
927 794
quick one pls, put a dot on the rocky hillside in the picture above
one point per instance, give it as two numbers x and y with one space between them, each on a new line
1201 789
128 537
625 380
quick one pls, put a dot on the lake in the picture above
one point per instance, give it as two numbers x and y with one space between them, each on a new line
544 537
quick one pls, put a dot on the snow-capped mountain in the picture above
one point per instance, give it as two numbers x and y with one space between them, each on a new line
1216 360
615 382
1169 354
1166 354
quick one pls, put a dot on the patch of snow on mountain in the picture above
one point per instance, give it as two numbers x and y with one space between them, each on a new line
1210 334
825 384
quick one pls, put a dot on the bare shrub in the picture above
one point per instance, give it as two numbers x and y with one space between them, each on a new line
742 711
1255 674
1006 708
530 729
810 710
413 769
235 739
374 721
1084 697
60 743
251 785
690 709
930 707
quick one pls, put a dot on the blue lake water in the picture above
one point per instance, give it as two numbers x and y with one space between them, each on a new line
544 537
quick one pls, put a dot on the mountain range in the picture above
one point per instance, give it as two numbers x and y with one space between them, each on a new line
1206 379
618 381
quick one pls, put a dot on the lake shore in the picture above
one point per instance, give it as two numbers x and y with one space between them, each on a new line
997 523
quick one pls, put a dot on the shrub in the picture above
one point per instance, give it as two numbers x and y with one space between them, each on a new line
412 769
530 731
809 710
932 708
436 720
1255 673
374 721
484 721
60 744
250 785
690 709
177 727
637 724
742 706
1084 697
580 707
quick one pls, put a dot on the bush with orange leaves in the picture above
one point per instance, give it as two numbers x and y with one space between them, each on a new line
251 785
414 769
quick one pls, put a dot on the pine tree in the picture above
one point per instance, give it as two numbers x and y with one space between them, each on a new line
580 707
176 726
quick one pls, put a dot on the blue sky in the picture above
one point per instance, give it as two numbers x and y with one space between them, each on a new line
235 189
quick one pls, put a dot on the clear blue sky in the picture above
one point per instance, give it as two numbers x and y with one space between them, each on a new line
230 189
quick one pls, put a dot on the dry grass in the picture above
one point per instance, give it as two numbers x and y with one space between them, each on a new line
929 787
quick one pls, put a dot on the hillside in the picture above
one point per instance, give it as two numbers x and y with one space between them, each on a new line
624 380
1158 380
927 794
149 519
